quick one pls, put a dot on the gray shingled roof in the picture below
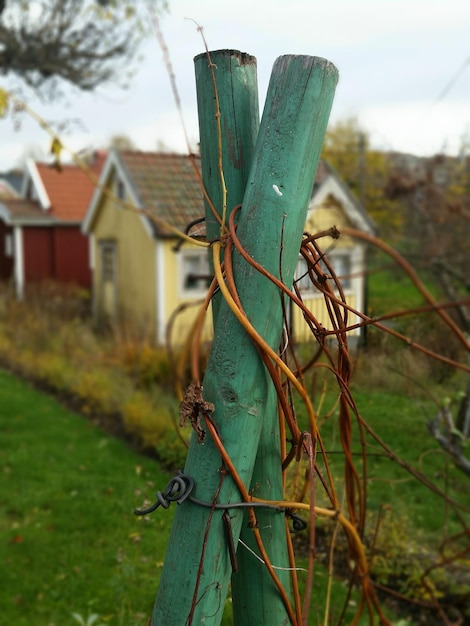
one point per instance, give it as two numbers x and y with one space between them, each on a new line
167 185
24 211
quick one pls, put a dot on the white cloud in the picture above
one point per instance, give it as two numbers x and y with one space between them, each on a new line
394 57
417 127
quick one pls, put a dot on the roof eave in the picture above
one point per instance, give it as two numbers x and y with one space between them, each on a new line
113 161
35 177
352 207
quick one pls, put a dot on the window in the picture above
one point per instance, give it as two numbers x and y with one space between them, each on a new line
196 276
9 245
107 294
301 277
119 189
340 262
108 261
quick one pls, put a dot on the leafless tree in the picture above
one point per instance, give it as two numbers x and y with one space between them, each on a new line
83 42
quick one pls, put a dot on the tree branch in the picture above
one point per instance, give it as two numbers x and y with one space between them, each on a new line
73 40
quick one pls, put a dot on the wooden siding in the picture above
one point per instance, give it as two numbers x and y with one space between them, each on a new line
58 253
316 305
322 217
147 283
71 256
38 254
175 298
135 266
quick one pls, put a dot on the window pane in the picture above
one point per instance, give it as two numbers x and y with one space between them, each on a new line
120 189
108 262
341 264
196 275
302 278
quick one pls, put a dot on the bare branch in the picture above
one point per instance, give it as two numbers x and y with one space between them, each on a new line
84 43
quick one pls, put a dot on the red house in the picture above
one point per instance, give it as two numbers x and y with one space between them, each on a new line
41 230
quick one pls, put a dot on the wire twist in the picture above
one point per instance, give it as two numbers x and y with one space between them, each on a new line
177 490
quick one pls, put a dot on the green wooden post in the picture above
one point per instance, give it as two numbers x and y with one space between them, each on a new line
237 92
197 568
235 75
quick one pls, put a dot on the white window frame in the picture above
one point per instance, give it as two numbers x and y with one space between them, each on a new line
306 286
108 260
202 268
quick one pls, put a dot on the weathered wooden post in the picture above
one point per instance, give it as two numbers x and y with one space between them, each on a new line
197 566
235 123
235 91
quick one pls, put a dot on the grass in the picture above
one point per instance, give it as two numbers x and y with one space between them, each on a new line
391 289
413 521
400 422
69 541
68 536
49 338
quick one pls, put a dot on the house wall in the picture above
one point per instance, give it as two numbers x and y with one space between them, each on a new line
38 250
147 284
322 217
58 253
135 272
316 305
176 300
71 252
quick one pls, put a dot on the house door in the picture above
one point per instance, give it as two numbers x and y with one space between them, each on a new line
108 283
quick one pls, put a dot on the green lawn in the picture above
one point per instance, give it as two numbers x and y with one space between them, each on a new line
401 422
71 544
69 541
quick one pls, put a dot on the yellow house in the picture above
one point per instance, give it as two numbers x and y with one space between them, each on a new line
138 277
332 204
142 275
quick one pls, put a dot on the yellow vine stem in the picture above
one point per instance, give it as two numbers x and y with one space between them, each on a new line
219 143
219 131
349 528
216 247
177 99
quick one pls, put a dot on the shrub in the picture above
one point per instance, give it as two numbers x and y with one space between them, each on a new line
145 418
146 365
100 389
171 450
399 558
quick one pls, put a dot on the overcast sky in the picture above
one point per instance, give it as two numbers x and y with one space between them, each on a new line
404 70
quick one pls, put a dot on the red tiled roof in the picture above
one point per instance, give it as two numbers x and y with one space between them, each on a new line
69 188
